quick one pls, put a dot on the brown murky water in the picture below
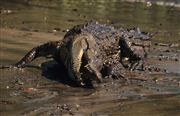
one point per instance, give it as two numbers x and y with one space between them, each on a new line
41 88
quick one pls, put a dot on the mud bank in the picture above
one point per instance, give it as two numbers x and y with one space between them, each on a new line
43 89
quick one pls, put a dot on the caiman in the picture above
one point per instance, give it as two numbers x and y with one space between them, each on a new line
91 51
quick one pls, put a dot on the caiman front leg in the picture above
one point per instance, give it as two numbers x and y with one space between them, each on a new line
134 47
39 51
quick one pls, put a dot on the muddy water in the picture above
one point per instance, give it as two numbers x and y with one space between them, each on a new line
43 89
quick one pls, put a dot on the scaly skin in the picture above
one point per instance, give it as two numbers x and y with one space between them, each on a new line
92 51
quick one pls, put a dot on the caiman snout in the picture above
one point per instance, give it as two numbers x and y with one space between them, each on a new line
82 68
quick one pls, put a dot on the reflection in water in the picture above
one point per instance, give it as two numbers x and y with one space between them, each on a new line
28 92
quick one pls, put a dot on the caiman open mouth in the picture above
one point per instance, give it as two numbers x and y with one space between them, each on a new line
78 66
85 74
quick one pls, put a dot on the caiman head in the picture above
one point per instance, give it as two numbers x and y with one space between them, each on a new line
80 60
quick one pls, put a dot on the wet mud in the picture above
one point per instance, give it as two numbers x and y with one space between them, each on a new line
44 89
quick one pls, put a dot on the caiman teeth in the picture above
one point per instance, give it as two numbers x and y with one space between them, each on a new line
82 83
88 68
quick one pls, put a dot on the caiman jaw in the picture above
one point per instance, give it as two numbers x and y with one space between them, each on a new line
79 46
83 68
77 63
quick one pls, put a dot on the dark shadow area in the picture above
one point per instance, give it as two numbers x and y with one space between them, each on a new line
55 71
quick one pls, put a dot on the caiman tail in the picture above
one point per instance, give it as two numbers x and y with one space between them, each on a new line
44 50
